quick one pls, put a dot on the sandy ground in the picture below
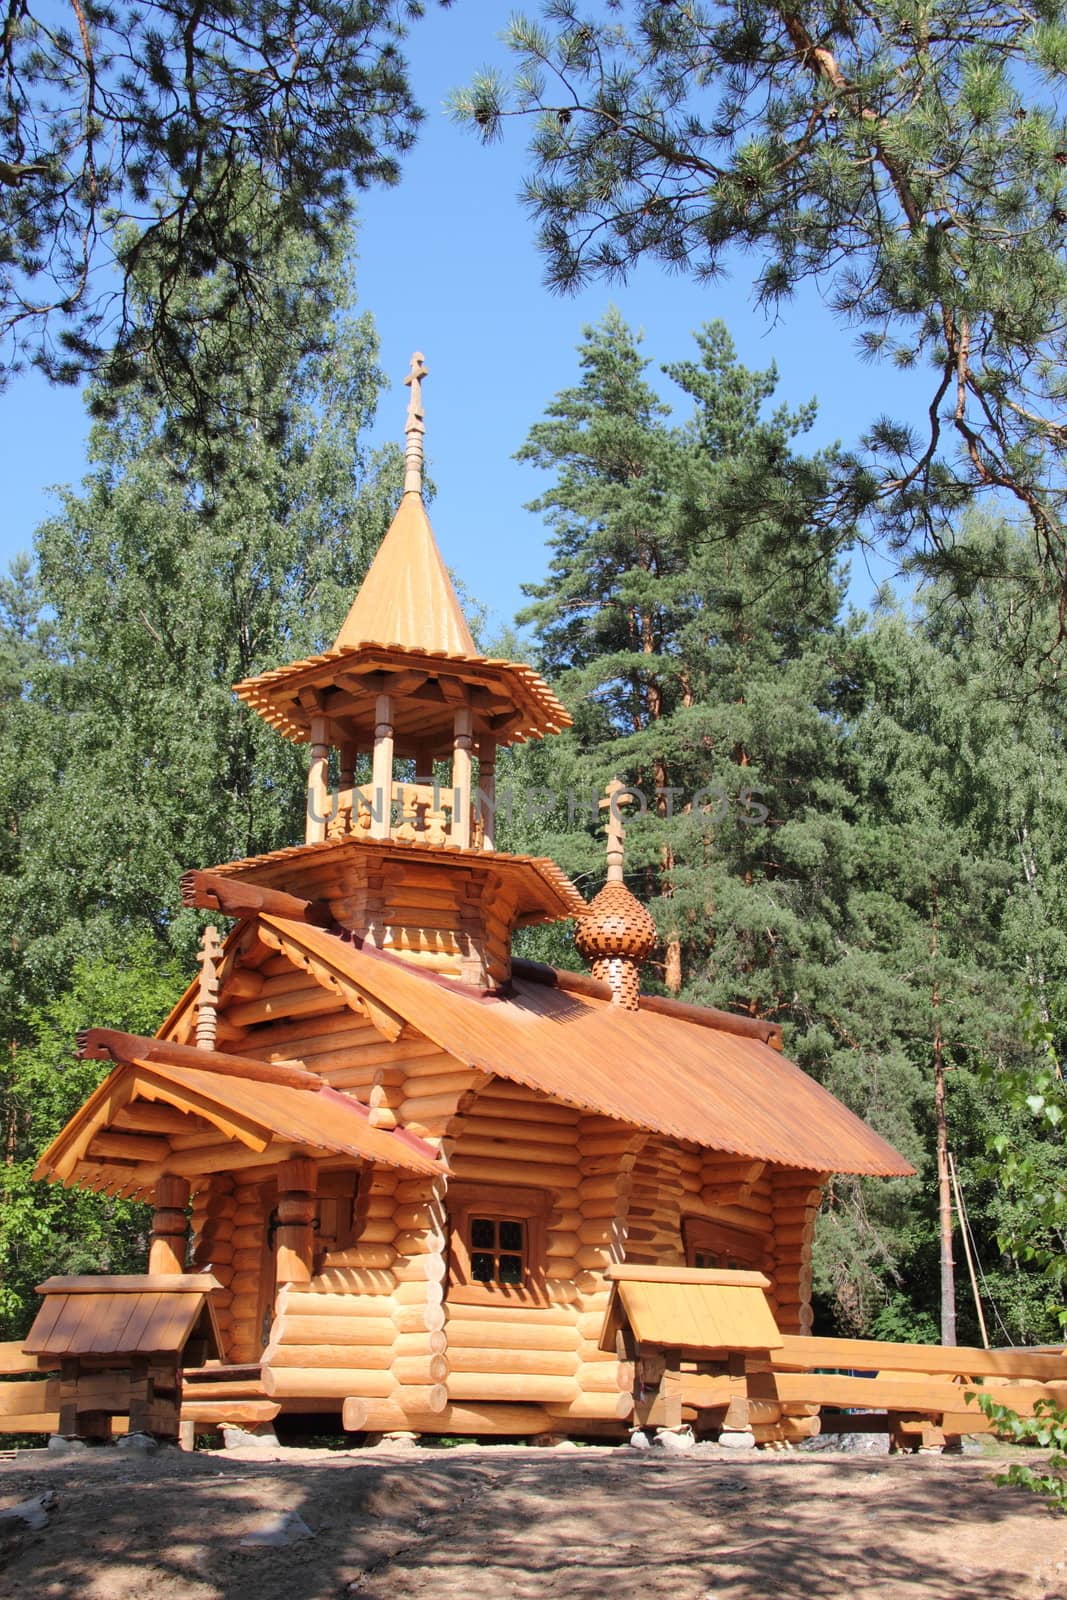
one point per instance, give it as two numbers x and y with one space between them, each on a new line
505 1523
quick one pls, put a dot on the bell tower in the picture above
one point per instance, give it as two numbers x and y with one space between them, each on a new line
402 850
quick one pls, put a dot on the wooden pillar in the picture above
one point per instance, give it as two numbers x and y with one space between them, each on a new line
318 783
166 1253
382 769
346 779
295 1234
487 790
462 768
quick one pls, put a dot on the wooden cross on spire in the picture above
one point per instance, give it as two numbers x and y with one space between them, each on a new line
615 832
414 426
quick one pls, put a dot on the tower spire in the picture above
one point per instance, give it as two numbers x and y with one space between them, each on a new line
414 426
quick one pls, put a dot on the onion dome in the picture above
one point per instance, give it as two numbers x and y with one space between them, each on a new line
617 934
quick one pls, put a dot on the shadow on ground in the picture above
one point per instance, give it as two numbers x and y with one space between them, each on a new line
613 1525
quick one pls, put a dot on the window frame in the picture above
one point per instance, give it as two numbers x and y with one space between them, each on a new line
738 1248
499 1203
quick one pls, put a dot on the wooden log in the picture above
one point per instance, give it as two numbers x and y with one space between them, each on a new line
489 1358
517 1420
594 1407
789 1430
484 1387
419 1290
528 1152
356 1357
881 1355
415 1318
313 1330
28 1396
335 1307
482 1170
234 1411
324 1383
895 1394
605 1377
421 1341
483 1334
364 1257
508 1103
424 1369
508 1317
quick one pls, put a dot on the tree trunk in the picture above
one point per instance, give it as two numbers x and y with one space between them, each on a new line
944 1177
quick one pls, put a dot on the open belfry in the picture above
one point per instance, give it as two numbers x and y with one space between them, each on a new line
402 1176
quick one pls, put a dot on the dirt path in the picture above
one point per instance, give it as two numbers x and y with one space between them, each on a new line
517 1524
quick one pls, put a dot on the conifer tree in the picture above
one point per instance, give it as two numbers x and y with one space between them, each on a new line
909 161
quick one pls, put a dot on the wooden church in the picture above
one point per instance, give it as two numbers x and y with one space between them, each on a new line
415 1165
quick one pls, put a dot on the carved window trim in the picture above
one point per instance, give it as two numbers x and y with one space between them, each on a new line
470 1202
717 1244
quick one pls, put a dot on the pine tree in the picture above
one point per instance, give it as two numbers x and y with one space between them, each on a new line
907 161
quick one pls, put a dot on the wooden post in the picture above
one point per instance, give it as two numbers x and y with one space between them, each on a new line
295 1234
487 790
207 1000
382 769
167 1251
462 741
318 786
346 778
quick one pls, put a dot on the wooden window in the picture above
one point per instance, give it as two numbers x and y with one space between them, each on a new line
714 1244
497 1254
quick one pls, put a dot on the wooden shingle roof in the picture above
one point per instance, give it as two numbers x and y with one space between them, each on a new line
716 1089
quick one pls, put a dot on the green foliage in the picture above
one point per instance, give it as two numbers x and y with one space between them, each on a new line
45 1228
908 160
1046 1428
176 142
183 564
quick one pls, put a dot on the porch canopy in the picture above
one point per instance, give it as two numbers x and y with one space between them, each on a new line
174 1109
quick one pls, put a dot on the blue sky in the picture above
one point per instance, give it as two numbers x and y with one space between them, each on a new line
447 265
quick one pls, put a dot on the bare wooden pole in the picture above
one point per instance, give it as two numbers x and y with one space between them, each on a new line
965 1234
944 1181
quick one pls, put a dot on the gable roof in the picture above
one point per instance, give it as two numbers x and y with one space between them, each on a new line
716 1089
270 1119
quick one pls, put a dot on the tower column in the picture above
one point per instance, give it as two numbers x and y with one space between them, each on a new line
487 790
382 769
462 770
318 783
346 781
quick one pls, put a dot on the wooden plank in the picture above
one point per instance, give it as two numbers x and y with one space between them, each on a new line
236 1411
17 1398
13 1358
885 1394
632 1272
131 1283
799 1353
